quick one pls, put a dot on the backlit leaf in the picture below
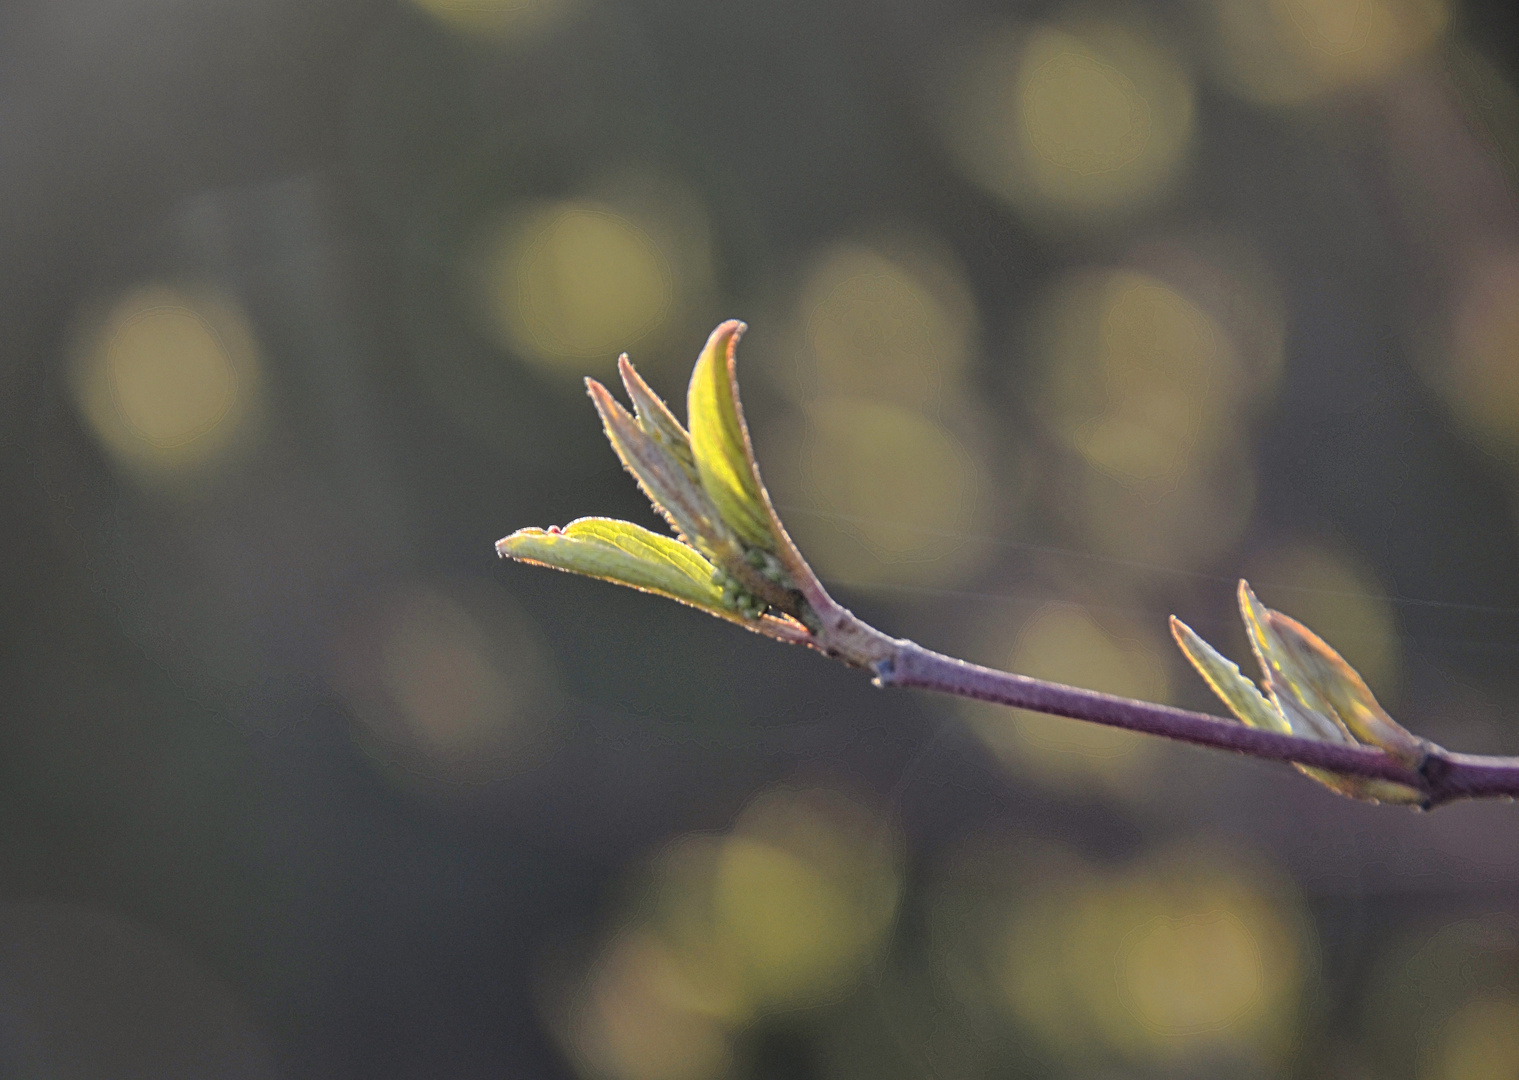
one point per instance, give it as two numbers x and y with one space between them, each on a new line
655 418
1241 695
720 440
624 553
1309 713
1318 666
1290 661
675 492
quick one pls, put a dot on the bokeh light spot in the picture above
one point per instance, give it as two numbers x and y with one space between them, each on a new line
1062 642
1140 380
1146 385
1333 27
1480 379
901 479
168 380
1481 1041
1183 955
896 497
1072 121
806 887
1190 974
501 20
897 329
445 687
576 281
783 912
172 380
1186 525
438 667
1084 115
1288 52
786 915
634 1020
1445 1005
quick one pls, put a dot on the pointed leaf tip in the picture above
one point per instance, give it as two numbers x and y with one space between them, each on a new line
1323 697
720 440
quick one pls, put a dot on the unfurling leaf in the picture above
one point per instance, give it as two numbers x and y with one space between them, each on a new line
628 554
655 418
1306 677
1307 712
1338 684
657 451
1241 695
720 441
1310 692
675 492
622 552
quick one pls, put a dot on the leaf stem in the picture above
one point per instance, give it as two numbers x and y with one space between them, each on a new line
1442 776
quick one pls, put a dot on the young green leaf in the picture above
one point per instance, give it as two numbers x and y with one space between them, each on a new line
674 491
1241 695
720 440
628 554
1254 709
655 418
621 552
1295 697
1335 682
657 451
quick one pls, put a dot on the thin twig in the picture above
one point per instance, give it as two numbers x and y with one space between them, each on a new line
1443 776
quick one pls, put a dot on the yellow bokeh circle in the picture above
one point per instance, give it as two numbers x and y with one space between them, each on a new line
501 20
785 911
1194 973
1063 643
1071 120
445 686
898 477
1288 52
1139 379
567 282
897 497
1479 375
1144 382
1183 956
1480 1041
895 326
167 379
639 1017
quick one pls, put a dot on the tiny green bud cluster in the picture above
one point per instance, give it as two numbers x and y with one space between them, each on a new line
768 565
736 597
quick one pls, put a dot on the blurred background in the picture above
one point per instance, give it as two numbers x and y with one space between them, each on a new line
1065 315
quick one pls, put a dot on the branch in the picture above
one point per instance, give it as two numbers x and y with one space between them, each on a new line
734 559
1441 777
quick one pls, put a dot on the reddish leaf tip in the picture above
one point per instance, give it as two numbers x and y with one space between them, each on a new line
733 329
